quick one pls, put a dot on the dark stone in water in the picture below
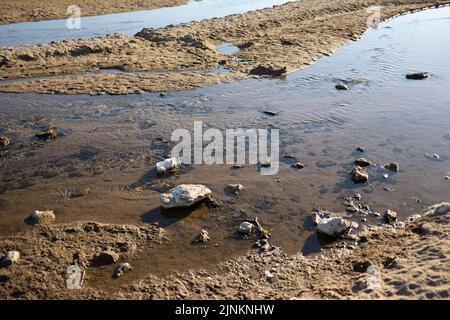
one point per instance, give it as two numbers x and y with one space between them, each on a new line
362 162
272 111
51 133
417 76
393 166
341 86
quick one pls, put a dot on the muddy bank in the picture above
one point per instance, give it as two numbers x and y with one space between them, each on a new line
271 41
409 262
47 251
34 10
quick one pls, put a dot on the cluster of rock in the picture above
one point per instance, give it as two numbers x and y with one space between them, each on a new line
360 175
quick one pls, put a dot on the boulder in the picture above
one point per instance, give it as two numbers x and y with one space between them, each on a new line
168 165
359 175
10 258
122 269
184 195
333 227
46 216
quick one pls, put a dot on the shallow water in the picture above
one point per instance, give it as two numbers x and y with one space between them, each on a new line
128 22
110 144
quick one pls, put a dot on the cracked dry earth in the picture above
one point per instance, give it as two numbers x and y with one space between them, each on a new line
185 56
413 262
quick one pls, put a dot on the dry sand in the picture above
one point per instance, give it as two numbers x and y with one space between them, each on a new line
291 36
35 10
413 263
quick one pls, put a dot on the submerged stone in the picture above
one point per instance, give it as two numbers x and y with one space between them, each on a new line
393 166
359 175
362 162
417 75
245 228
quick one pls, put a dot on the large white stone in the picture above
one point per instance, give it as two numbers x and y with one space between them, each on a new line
10 258
46 216
333 226
184 195
167 165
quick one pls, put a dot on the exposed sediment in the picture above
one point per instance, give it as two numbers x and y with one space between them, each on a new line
35 10
289 36
388 262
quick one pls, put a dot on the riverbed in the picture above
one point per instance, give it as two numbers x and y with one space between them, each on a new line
110 144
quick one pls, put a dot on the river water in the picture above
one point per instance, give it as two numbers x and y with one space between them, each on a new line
110 144
127 22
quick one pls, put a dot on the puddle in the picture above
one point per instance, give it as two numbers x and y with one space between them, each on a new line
111 144
227 48
128 22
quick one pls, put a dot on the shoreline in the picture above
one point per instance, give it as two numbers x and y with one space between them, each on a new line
33 11
171 51
337 272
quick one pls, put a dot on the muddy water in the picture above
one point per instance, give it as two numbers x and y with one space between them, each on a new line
127 22
110 144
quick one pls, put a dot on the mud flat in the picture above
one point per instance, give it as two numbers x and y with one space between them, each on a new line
386 262
34 10
284 38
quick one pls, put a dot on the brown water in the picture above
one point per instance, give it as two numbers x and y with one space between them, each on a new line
111 143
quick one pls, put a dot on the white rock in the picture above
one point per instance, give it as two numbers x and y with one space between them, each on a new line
245 228
390 216
122 269
235 188
167 165
46 216
184 195
10 258
333 226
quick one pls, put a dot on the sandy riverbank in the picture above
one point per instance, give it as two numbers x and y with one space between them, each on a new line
290 36
412 262
34 10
